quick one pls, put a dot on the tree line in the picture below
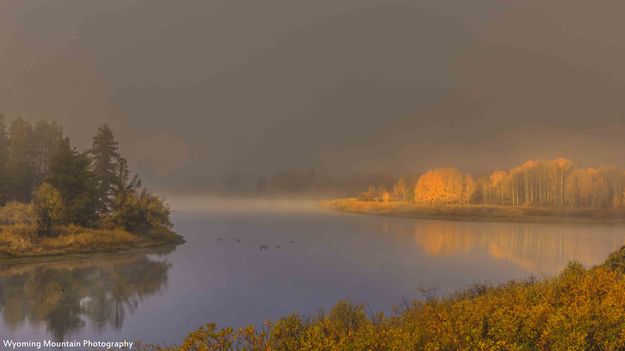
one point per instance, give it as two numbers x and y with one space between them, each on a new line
539 183
92 188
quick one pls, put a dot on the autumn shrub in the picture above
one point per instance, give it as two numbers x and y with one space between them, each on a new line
140 212
287 333
16 213
580 309
16 238
47 207
616 261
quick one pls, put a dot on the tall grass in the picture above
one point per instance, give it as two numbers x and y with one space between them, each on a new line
22 240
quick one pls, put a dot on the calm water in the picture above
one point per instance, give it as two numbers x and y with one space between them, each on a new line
221 275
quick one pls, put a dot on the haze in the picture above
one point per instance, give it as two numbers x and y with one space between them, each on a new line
200 90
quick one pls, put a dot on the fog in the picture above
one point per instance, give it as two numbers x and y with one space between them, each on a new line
224 205
203 92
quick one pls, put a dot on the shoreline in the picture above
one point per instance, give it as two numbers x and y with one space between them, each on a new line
157 248
39 251
477 213
530 313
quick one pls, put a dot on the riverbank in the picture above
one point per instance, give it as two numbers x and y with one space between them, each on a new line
477 212
20 241
580 309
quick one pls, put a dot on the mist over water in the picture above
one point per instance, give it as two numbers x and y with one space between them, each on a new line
209 204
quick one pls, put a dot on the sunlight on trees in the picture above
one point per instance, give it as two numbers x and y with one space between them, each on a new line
400 190
444 186
536 183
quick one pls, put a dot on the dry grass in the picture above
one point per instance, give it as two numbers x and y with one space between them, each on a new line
476 212
21 240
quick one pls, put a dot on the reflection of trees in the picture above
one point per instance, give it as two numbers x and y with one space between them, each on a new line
64 295
543 248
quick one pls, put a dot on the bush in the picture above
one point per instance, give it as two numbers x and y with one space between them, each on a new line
287 333
16 238
140 212
47 207
16 213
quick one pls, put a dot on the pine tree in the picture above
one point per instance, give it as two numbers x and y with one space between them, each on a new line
4 157
20 162
105 155
70 172
47 136
125 182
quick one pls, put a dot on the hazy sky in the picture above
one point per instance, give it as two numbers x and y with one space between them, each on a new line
198 89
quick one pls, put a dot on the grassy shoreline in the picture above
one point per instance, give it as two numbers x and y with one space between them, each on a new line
579 309
156 247
20 242
478 212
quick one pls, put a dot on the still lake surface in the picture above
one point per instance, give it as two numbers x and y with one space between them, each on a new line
313 259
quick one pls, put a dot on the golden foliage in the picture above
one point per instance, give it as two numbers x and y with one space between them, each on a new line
444 186
16 213
386 196
535 183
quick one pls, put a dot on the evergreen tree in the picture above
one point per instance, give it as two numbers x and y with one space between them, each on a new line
105 156
70 172
20 162
72 187
125 182
111 175
4 157
47 136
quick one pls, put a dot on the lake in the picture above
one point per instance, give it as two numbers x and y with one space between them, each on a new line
244 264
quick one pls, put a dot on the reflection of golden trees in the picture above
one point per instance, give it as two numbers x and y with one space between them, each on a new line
63 295
441 239
542 248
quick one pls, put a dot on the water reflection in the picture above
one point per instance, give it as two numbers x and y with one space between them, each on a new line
534 247
323 257
64 296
